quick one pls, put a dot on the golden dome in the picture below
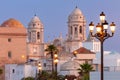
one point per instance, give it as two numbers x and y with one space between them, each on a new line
12 23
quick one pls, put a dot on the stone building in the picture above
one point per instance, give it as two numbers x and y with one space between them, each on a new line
35 43
19 44
12 43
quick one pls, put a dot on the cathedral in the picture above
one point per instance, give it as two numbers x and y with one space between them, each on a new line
76 37
20 45
75 41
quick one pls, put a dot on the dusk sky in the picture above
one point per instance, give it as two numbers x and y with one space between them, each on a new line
54 15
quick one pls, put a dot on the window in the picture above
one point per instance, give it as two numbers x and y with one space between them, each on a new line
38 35
71 29
44 64
75 30
13 71
80 29
106 68
33 36
33 25
9 39
34 50
29 35
9 54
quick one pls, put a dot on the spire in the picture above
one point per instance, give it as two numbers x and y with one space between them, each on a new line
35 15
60 36
48 39
76 7
89 38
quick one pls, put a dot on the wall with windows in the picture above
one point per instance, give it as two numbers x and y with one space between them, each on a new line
17 71
13 45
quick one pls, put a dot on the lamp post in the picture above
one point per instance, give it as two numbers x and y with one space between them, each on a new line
75 53
39 68
102 34
56 62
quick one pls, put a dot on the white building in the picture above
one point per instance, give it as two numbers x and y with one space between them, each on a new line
76 30
70 65
111 67
76 39
112 57
19 71
35 44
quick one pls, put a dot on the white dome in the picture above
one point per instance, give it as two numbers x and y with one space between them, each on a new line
76 15
35 19
35 23
76 11
70 65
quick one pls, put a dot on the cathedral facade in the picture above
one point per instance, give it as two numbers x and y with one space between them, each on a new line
75 40
76 30
35 43
20 44
13 42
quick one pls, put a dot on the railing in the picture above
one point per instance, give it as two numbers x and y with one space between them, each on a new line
112 68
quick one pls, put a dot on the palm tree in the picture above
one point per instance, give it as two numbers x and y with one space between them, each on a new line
84 70
28 78
51 49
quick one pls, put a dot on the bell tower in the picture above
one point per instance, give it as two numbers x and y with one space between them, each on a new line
35 38
35 31
76 30
76 26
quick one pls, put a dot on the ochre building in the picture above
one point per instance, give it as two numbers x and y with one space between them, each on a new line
12 42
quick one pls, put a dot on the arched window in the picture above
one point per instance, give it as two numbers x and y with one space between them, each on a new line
29 36
71 29
75 30
34 25
80 29
38 35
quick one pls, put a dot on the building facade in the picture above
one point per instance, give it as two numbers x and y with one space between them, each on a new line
13 42
19 71
76 30
28 44
35 44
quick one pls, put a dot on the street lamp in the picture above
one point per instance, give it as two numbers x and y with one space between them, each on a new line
75 53
39 68
56 62
102 34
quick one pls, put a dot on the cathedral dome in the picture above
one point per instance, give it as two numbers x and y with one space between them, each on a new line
35 19
76 15
35 23
70 65
13 23
76 11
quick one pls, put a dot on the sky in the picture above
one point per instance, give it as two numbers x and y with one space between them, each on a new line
54 15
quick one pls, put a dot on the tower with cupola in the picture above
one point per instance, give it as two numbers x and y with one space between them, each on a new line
76 26
35 39
76 30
